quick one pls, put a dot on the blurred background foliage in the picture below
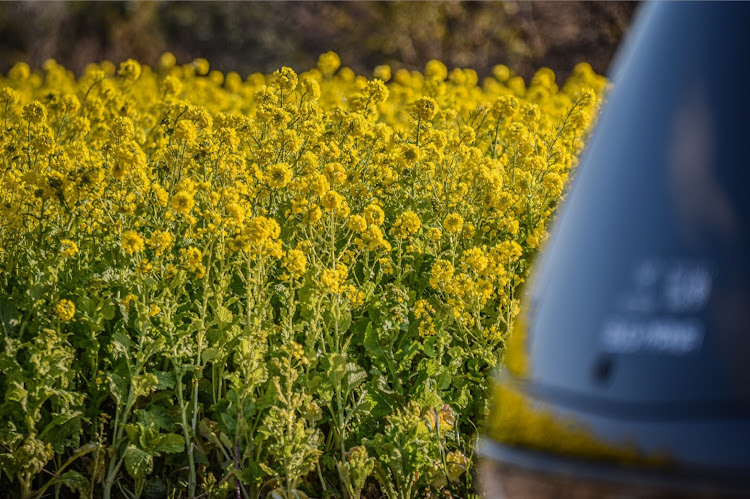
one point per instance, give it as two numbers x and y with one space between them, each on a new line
249 37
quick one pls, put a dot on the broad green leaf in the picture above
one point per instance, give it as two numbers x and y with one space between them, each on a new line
345 321
57 420
361 408
143 384
207 429
223 315
444 380
117 387
336 369
17 393
372 342
155 488
35 292
168 443
430 348
108 310
229 423
155 416
282 494
8 464
153 347
210 354
322 387
120 344
74 481
133 431
354 375
65 430
8 314
406 354
139 464
225 440
166 380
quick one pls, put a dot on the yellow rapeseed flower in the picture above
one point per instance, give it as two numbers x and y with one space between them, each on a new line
132 242
328 63
357 223
286 79
194 256
374 214
332 201
406 225
185 132
130 69
65 310
279 175
333 279
382 72
68 248
424 109
442 272
34 112
453 223
160 241
295 262
182 202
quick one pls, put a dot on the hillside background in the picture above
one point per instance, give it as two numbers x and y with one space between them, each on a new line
262 36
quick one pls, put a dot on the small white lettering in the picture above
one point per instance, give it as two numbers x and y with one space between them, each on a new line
687 288
668 336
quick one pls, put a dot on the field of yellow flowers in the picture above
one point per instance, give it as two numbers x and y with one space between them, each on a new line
282 286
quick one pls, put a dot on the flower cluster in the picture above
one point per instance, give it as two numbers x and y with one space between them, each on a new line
264 284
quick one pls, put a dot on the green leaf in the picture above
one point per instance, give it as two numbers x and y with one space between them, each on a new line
57 420
74 481
229 423
143 384
210 354
322 387
120 345
225 440
117 387
361 408
35 292
354 375
108 310
336 369
430 346
139 464
8 464
253 473
133 431
444 380
63 431
168 443
207 429
154 488
8 313
155 416
406 354
166 380
223 315
17 393
155 346
372 342
345 321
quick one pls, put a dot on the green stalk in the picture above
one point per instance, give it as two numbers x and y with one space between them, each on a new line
188 441
115 463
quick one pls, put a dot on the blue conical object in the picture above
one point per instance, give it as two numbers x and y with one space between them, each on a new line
630 363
